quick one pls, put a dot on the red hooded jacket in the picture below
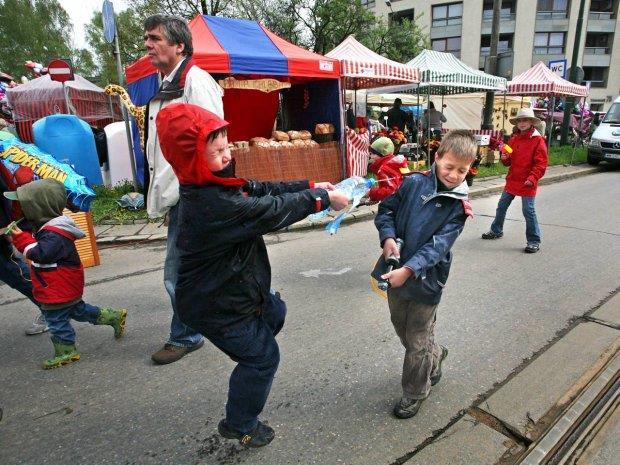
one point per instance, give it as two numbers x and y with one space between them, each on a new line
528 161
389 176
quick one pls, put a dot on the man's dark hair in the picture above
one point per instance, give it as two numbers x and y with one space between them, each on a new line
431 105
175 29
217 133
398 102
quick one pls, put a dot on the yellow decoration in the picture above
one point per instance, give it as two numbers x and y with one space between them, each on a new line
138 112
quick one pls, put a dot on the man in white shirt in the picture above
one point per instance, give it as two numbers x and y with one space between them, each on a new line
168 43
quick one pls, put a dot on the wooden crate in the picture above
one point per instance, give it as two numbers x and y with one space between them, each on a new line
87 246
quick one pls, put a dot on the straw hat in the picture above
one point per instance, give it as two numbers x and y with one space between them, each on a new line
525 113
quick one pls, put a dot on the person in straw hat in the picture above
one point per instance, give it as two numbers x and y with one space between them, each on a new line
526 165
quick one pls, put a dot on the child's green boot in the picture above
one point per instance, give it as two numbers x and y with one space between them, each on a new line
64 354
114 318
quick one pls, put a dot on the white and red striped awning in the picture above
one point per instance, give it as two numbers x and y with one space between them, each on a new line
364 69
541 81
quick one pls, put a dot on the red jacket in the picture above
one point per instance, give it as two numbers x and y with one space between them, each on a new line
389 177
528 161
55 266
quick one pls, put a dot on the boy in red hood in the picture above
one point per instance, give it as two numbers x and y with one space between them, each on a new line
526 165
388 168
224 281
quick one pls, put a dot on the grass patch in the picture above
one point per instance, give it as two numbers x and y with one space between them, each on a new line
104 206
557 156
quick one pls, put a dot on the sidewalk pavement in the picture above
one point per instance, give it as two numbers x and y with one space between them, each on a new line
142 231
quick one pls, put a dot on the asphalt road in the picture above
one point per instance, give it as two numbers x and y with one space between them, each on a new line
341 361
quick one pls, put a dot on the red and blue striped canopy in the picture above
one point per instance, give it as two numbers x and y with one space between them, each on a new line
238 46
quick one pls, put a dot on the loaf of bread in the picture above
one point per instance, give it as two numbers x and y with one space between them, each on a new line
324 128
305 135
280 135
293 135
257 140
286 143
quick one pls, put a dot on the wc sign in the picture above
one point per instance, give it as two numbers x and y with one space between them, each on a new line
558 67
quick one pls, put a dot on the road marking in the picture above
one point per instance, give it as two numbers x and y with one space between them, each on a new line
328 272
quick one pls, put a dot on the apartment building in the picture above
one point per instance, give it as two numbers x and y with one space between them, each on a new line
530 31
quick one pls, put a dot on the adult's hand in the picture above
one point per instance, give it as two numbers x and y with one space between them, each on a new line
337 200
528 183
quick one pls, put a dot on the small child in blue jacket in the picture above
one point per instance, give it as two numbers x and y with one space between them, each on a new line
55 268
428 213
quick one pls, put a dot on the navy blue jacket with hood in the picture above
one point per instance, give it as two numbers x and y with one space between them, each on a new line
224 276
428 221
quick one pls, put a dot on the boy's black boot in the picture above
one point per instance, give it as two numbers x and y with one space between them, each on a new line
435 377
407 408
260 436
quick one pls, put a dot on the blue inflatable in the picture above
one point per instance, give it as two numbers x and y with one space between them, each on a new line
21 163
69 140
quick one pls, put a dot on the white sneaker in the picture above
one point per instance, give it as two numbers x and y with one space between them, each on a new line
38 326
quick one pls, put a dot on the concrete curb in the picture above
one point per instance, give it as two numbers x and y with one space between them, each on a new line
362 213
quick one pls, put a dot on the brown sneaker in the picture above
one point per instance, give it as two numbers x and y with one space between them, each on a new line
170 353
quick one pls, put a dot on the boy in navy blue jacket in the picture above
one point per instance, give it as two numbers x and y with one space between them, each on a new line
428 213
55 268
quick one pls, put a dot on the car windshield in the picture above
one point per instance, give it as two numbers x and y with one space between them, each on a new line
613 114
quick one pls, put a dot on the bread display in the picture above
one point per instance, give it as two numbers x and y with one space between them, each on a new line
280 136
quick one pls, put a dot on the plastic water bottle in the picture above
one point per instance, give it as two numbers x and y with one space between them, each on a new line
354 188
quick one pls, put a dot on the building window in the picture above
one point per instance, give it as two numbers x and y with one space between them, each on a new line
448 14
448 44
549 43
368 4
596 106
552 9
597 43
597 75
399 16
504 44
601 9
507 12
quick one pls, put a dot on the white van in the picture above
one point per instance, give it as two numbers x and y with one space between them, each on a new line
605 142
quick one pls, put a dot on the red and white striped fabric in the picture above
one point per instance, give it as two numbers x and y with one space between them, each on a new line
357 153
364 69
540 80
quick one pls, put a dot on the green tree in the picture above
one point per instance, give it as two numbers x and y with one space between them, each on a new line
36 30
399 42
130 33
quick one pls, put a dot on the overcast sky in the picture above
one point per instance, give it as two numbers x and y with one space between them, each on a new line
81 11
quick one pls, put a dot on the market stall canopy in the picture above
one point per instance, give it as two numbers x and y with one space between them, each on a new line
364 69
41 97
444 74
540 80
243 47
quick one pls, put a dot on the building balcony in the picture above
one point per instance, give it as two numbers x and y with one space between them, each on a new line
598 60
551 25
506 26
601 22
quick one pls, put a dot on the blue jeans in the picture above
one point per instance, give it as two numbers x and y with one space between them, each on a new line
253 346
181 335
59 321
15 273
532 230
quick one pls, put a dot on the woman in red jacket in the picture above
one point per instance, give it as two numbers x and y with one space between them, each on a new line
527 164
